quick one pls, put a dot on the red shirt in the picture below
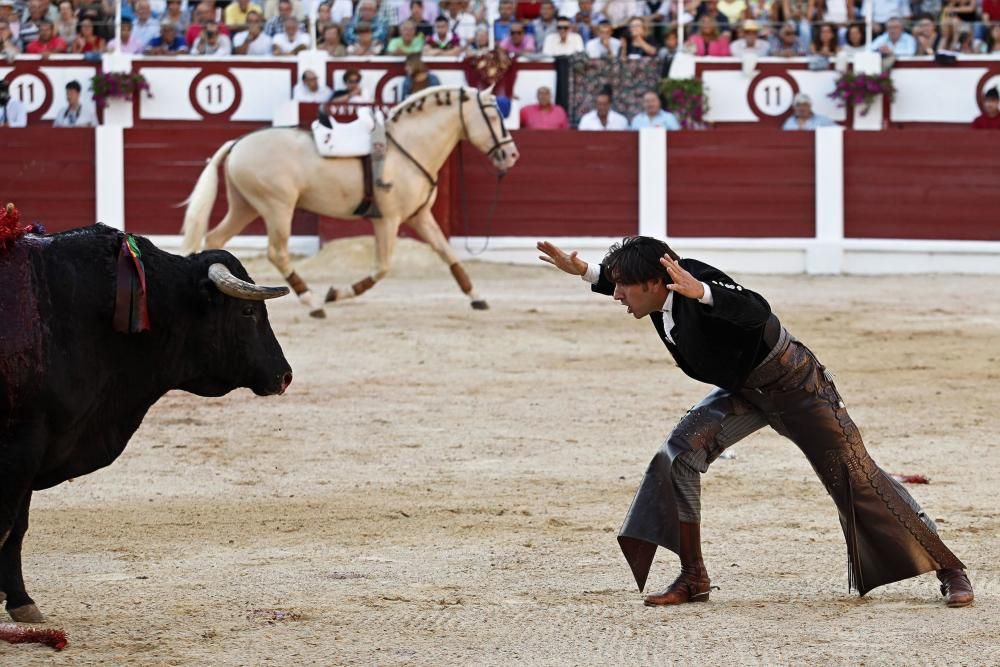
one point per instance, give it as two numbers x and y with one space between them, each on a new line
984 122
533 117
55 45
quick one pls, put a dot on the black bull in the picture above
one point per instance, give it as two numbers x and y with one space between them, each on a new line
73 390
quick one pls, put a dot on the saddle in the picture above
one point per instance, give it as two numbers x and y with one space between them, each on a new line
353 139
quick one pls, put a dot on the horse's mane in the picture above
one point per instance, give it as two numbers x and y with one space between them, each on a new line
416 102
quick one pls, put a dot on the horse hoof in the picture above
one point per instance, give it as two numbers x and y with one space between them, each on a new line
319 314
331 295
26 614
480 304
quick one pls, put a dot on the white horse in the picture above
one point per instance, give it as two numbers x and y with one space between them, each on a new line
272 172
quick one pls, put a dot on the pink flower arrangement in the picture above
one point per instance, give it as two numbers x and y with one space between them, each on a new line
862 89
686 99
117 84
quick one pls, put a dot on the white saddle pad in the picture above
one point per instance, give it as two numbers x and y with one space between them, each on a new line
352 139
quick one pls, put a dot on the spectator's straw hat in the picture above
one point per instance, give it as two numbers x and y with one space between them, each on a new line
751 26
7 3
802 98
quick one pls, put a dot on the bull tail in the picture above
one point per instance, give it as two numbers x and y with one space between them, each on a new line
199 204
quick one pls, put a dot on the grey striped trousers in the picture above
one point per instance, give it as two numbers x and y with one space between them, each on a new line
718 422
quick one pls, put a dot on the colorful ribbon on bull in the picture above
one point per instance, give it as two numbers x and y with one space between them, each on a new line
11 228
131 309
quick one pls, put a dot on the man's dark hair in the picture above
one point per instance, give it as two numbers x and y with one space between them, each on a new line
74 85
420 3
992 94
637 260
441 19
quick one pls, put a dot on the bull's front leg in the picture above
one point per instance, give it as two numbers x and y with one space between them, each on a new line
20 606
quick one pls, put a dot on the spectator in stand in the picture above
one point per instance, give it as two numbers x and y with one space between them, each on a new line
10 48
603 117
36 12
48 41
619 12
130 42
176 15
636 44
545 115
505 19
341 12
546 24
735 10
749 42
202 14
993 39
894 41
422 25
825 42
417 76
854 39
10 18
103 22
272 8
803 118
235 15
367 12
839 12
276 24
323 19
364 41
710 8
169 42
990 118
931 8
309 89
253 41
480 43
443 42
87 39
604 45
211 41
12 111
462 23
584 19
66 23
967 42
883 10
708 41
409 40
965 11
653 115
926 35
352 91
291 41
518 42
333 41
144 27
564 42
786 43
74 114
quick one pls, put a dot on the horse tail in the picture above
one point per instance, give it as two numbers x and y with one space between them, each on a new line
199 204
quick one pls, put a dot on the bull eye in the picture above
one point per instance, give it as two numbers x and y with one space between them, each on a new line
249 311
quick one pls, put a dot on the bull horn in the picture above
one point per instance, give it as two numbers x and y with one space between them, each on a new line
240 289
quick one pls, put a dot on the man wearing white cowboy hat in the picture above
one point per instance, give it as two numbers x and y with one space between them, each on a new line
749 43
803 118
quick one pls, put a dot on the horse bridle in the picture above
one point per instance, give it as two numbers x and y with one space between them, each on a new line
498 142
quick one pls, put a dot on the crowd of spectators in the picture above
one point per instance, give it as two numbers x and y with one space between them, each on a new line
599 28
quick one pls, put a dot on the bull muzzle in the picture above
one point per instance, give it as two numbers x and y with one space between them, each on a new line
232 286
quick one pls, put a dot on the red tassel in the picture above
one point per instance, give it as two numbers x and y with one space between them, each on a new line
912 479
18 634
10 226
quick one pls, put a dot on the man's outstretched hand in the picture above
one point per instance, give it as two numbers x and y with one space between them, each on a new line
560 259
683 282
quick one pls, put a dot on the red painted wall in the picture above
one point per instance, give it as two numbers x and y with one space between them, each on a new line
742 183
162 164
50 175
922 184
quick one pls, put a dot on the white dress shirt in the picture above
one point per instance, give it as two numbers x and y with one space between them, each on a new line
593 274
590 121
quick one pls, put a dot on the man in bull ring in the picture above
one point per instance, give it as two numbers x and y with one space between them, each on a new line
724 334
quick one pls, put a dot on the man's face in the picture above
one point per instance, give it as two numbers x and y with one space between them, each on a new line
641 299
168 35
441 29
787 35
544 97
895 29
285 9
603 104
506 10
254 23
924 28
651 103
407 31
331 36
803 110
352 81
750 37
143 11
291 27
211 32
516 34
547 11
586 6
604 31
65 10
173 7
417 13
364 37
244 4
72 96
126 32
366 11
563 29
45 31
992 106
311 81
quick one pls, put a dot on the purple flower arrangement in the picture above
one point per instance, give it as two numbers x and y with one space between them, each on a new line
686 99
117 84
862 89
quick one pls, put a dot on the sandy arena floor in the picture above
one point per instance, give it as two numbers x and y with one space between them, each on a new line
442 486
